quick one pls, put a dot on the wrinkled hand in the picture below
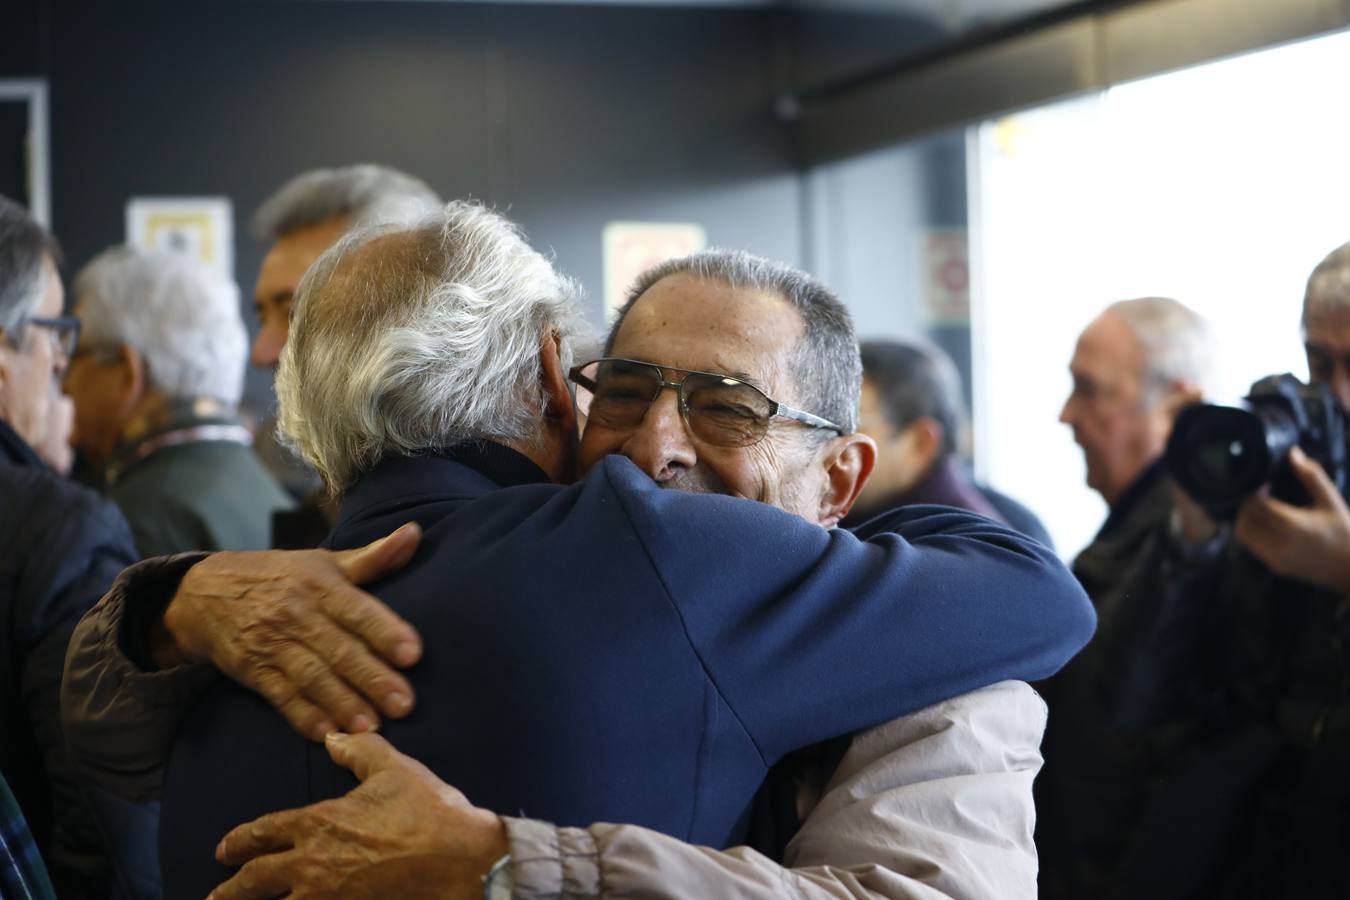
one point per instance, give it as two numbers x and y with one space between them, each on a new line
1309 543
402 833
291 625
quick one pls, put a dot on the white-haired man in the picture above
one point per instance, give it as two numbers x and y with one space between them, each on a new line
156 381
612 650
60 547
1134 368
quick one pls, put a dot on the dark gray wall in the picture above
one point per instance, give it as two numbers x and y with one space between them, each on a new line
567 117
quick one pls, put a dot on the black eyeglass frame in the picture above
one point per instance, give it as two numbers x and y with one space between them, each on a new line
66 329
775 408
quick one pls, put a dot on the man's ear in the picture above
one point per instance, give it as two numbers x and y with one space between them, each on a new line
559 419
558 397
927 435
848 461
133 379
1178 396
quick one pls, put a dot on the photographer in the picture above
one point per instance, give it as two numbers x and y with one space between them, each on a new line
1282 605
1200 746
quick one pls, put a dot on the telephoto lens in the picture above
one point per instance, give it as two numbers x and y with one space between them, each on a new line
1221 454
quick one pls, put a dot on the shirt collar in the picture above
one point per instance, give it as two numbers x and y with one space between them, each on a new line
469 469
15 450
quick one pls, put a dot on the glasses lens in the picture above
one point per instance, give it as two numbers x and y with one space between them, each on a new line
724 411
623 391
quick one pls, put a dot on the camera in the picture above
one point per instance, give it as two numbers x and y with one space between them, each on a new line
1220 454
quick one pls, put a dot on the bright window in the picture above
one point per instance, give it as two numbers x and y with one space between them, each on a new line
1221 186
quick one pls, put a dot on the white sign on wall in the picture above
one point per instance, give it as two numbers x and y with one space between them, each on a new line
946 276
631 248
202 227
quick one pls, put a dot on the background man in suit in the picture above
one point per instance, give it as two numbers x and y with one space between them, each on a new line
911 406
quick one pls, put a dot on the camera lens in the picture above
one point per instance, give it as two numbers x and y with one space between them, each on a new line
1219 454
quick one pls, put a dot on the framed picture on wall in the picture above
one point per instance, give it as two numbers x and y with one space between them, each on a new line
202 227
631 248
24 151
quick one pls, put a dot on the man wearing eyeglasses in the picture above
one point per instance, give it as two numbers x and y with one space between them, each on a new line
60 548
608 650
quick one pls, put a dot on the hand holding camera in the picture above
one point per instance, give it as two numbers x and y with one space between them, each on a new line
1309 543
1250 464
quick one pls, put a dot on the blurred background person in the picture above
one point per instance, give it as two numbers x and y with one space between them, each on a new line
156 381
1119 746
303 218
61 546
1135 366
911 406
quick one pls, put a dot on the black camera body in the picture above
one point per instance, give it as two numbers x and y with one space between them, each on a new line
1221 454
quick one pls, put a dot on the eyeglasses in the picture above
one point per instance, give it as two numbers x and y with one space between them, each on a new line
719 409
64 330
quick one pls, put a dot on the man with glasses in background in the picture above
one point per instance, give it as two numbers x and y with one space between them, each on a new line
60 548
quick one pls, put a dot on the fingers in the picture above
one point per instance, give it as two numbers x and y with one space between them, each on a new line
1314 478
303 716
375 624
304 686
1265 527
271 833
382 557
260 879
338 657
363 754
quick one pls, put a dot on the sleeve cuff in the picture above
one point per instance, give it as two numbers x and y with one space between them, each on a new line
142 593
552 863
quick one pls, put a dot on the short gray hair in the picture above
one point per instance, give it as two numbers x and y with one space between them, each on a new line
1177 342
913 380
180 315
23 245
1329 283
406 340
824 365
363 194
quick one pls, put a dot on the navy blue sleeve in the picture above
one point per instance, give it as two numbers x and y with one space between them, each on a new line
809 634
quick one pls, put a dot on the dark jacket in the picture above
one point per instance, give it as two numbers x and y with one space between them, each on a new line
1160 731
614 651
192 483
61 546
948 484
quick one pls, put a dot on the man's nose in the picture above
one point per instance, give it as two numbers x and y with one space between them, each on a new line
660 445
267 347
1066 411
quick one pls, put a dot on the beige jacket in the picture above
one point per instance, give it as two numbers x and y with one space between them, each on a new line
932 806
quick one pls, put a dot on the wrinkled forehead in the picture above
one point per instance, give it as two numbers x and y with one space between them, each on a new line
1109 351
708 326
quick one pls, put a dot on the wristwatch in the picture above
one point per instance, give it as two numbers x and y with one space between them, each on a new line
498 883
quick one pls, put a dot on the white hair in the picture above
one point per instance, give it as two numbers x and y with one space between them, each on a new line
408 340
1178 345
1329 284
363 194
177 313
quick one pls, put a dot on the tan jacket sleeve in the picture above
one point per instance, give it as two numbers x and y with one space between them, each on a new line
119 718
933 806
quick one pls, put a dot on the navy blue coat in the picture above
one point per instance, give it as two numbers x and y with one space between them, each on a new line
614 651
